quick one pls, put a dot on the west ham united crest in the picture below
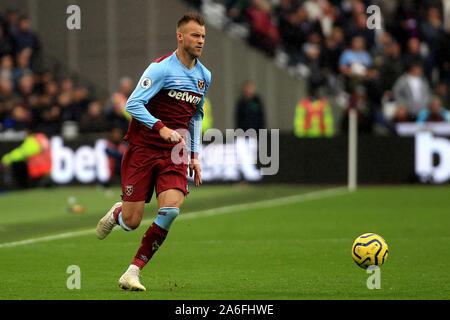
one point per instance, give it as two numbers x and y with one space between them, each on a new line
129 190
201 85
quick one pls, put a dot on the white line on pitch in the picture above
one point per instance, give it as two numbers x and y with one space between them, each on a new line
204 213
265 203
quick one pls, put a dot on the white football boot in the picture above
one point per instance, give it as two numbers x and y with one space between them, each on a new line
130 280
107 223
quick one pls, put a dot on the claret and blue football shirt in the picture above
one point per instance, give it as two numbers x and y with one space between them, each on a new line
168 94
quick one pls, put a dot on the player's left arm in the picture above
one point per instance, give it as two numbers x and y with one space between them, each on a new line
195 130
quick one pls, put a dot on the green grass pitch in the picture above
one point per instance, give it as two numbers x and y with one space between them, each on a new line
274 250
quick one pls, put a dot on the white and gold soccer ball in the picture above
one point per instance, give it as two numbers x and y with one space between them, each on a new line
369 249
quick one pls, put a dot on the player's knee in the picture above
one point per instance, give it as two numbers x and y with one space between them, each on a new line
166 216
131 217
131 222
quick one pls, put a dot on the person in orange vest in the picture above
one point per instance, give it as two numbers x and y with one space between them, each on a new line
313 117
35 151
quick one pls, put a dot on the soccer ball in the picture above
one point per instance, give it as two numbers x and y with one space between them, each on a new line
369 249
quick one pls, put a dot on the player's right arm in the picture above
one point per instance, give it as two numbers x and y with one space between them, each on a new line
151 82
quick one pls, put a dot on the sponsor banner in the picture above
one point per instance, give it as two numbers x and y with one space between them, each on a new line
410 129
235 161
84 164
422 158
432 158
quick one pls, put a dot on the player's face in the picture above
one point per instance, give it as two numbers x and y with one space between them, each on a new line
192 38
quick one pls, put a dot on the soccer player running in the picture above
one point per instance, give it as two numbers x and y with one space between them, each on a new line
167 100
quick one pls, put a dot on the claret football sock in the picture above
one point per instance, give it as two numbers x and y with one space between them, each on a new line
116 213
152 240
155 235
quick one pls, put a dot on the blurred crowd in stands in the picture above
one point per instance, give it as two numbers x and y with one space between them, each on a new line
32 97
399 72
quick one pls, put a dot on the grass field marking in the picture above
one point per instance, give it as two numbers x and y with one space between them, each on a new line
204 213
264 203
47 238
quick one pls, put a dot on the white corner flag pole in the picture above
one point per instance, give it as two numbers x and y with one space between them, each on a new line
352 149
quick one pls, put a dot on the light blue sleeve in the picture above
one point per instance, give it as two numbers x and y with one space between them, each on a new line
195 127
149 85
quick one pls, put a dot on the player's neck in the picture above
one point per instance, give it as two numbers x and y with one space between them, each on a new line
186 59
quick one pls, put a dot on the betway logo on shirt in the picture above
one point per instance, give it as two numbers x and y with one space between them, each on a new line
184 96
